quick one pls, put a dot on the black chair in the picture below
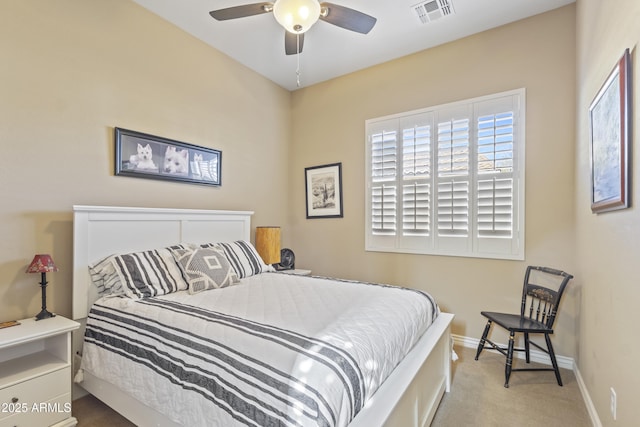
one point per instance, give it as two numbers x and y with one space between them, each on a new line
541 293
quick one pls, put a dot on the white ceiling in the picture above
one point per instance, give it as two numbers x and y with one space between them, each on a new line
330 51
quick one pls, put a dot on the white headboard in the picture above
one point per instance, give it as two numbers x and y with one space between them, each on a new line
99 231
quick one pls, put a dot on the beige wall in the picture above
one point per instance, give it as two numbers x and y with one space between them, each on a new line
70 71
328 126
608 245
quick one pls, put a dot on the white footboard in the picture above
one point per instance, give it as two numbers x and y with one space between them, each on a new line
410 396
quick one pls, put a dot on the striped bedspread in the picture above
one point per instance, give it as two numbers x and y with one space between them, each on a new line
274 350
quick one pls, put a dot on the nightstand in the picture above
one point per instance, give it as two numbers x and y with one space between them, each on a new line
297 272
35 373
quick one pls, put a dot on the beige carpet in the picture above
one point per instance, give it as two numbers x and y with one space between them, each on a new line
477 398
91 412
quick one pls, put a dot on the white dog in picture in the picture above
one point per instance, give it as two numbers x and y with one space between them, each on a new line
203 169
176 162
195 166
143 160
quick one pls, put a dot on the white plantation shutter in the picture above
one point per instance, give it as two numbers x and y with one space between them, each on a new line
453 208
383 207
416 175
495 173
499 161
416 209
448 180
416 152
384 164
383 152
495 143
453 174
453 147
495 208
382 189
453 179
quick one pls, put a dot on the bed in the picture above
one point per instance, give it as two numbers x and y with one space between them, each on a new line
284 366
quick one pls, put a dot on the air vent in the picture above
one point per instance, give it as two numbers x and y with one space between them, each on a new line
429 11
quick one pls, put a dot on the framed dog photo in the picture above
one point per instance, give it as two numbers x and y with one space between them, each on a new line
142 155
324 191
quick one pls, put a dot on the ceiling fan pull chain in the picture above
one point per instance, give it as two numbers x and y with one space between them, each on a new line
298 59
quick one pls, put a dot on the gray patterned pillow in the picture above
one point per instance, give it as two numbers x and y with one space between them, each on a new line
205 268
243 256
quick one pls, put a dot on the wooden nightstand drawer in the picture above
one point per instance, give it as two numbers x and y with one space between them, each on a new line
42 414
22 397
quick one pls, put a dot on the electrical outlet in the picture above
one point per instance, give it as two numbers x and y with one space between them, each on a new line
613 403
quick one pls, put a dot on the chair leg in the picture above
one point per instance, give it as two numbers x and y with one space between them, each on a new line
552 355
507 366
483 339
526 347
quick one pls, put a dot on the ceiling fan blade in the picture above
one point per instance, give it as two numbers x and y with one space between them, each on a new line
346 18
241 11
291 43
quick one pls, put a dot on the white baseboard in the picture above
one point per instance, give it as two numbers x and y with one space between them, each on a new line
541 357
591 409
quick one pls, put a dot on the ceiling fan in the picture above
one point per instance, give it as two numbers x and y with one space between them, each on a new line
297 16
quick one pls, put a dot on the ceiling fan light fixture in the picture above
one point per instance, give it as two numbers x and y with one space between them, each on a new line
296 16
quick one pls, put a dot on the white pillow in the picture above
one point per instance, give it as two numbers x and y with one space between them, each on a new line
104 277
138 274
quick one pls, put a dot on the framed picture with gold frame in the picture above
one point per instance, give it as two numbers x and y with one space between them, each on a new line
610 132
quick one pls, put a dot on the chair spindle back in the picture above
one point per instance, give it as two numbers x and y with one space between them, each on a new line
542 290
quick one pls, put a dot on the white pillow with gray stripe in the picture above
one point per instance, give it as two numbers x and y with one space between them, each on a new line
104 277
149 273
138 274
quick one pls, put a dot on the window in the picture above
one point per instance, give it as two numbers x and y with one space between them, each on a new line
448 180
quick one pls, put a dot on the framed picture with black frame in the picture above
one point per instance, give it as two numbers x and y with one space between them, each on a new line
141 155
324 191
610 133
